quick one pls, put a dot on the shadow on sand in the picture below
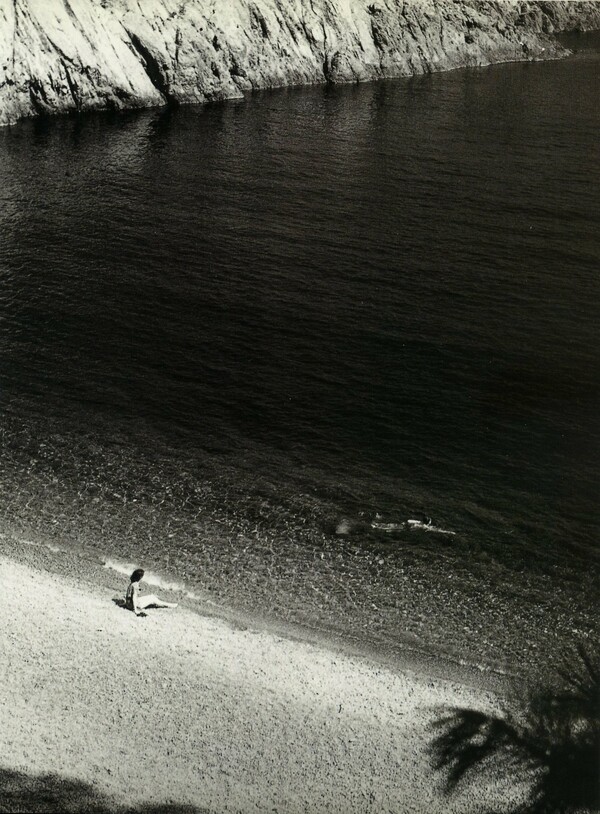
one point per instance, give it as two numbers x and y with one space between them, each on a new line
120 603
45 793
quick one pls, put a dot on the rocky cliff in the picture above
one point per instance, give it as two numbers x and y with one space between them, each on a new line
71 55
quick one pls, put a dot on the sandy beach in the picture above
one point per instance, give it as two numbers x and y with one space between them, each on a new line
101 710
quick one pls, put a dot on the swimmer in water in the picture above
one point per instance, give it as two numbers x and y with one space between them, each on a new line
425 522
137 603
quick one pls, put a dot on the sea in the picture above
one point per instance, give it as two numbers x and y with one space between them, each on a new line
327 356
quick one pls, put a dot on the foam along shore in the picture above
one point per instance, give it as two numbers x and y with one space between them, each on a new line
100 708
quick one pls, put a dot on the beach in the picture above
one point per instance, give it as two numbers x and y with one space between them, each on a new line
101 710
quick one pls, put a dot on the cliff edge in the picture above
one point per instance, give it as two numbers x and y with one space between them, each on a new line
73 55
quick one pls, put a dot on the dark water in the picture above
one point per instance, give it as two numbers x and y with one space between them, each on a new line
233 337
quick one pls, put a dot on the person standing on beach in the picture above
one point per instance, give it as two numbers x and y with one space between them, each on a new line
137 603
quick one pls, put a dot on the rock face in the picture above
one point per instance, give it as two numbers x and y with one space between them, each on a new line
72 55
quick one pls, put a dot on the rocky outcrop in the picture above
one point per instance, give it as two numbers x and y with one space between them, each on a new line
72 55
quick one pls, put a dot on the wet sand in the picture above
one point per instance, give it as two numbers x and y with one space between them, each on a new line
182 709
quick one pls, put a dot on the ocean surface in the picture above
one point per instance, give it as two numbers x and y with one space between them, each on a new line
243 345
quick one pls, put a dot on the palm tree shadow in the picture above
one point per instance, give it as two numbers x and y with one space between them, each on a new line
550 738
53 794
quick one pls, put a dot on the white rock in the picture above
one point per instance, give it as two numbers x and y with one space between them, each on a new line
69 55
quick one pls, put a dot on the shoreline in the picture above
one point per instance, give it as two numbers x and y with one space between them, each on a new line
117 57
193 710
101 573
561 53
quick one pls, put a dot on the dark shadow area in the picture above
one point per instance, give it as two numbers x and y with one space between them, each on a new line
45 793
551 736
120 603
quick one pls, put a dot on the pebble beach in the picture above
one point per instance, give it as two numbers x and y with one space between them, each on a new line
104 711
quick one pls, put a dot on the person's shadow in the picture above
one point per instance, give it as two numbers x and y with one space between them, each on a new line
51 793
120 603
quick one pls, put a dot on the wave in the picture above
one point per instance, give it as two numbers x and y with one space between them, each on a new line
54 548
150 577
